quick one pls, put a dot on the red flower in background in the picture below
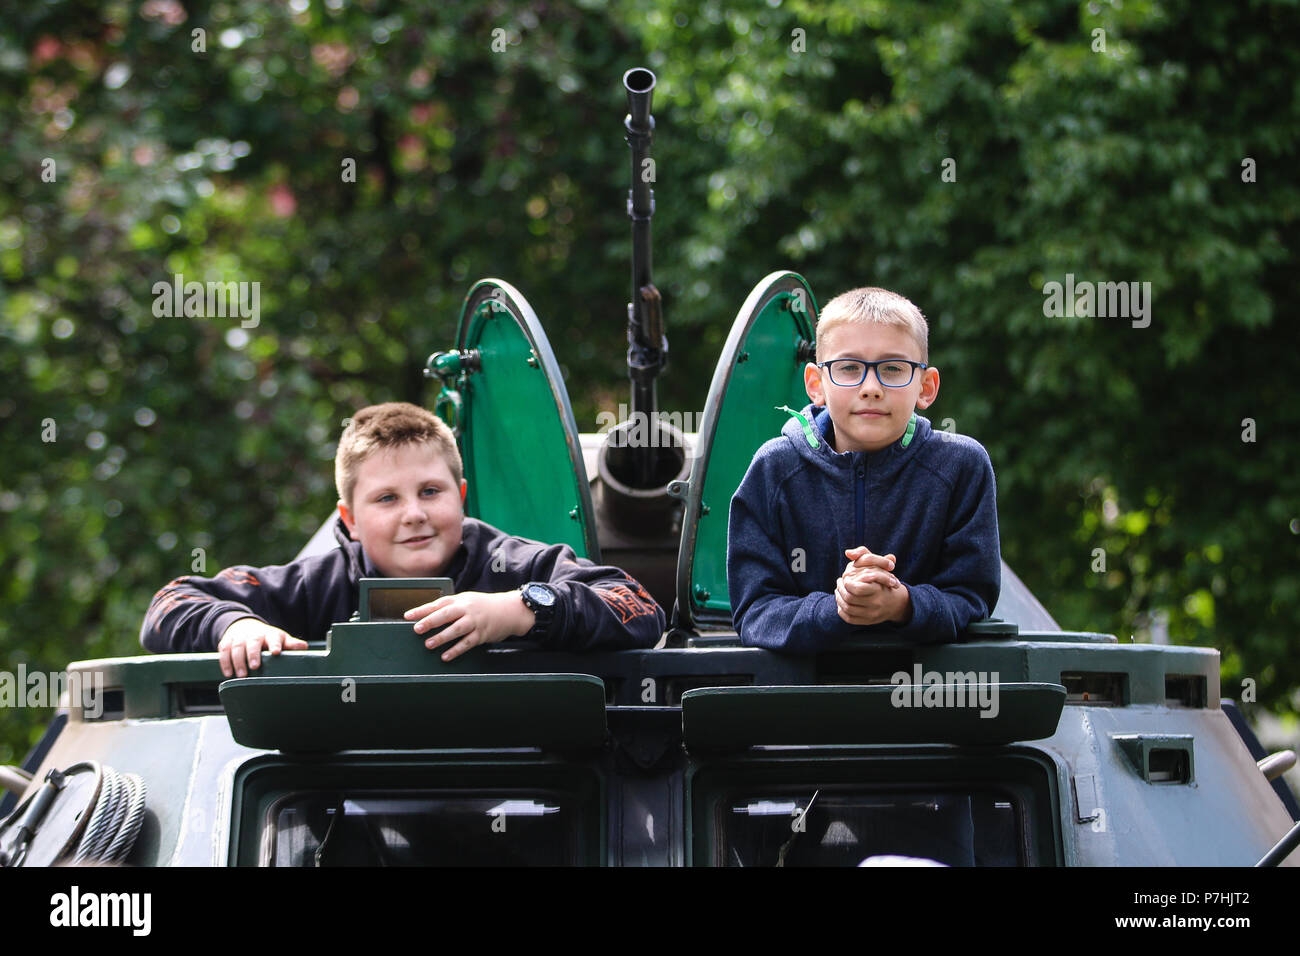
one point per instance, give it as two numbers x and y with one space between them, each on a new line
282 202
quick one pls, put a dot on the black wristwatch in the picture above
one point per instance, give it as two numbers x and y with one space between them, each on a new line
541 600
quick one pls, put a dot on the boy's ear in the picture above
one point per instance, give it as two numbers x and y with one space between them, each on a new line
929 388
464 489
812 384
348 520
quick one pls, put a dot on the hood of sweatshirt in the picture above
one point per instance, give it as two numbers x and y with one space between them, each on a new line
359 563
812 431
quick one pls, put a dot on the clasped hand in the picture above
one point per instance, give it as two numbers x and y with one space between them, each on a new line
868 593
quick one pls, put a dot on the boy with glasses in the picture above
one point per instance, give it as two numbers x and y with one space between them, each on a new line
858 473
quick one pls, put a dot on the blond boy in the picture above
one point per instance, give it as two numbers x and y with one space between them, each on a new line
859 476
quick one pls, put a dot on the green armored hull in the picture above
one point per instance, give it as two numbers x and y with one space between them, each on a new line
1046 748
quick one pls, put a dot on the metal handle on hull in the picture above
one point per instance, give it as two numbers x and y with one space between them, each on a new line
1274 765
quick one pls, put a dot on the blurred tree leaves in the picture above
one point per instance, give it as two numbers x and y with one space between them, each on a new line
804 135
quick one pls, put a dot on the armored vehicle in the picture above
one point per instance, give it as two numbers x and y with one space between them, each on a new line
1020 744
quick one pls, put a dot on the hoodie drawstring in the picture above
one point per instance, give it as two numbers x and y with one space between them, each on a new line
911 430
808 431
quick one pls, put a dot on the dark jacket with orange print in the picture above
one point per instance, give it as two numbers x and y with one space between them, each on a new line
598 606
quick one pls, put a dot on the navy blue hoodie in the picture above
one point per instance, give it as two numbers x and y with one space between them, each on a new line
598 606
932 504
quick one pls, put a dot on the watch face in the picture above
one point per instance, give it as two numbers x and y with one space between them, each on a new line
541 594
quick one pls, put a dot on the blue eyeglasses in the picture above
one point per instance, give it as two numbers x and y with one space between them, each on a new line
892 373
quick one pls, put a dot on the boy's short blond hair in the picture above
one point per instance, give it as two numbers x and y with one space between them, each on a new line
870 305
390 425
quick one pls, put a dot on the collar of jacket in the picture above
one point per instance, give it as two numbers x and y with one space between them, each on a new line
825 456
359 564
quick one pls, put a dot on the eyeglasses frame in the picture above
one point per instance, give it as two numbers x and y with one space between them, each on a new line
869 368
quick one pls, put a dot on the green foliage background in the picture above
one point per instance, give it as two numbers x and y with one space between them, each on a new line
804 135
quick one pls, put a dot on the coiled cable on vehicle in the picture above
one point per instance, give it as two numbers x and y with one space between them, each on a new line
87 814
116 820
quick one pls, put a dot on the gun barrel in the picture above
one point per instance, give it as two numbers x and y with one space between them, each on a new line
645 322
641 457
